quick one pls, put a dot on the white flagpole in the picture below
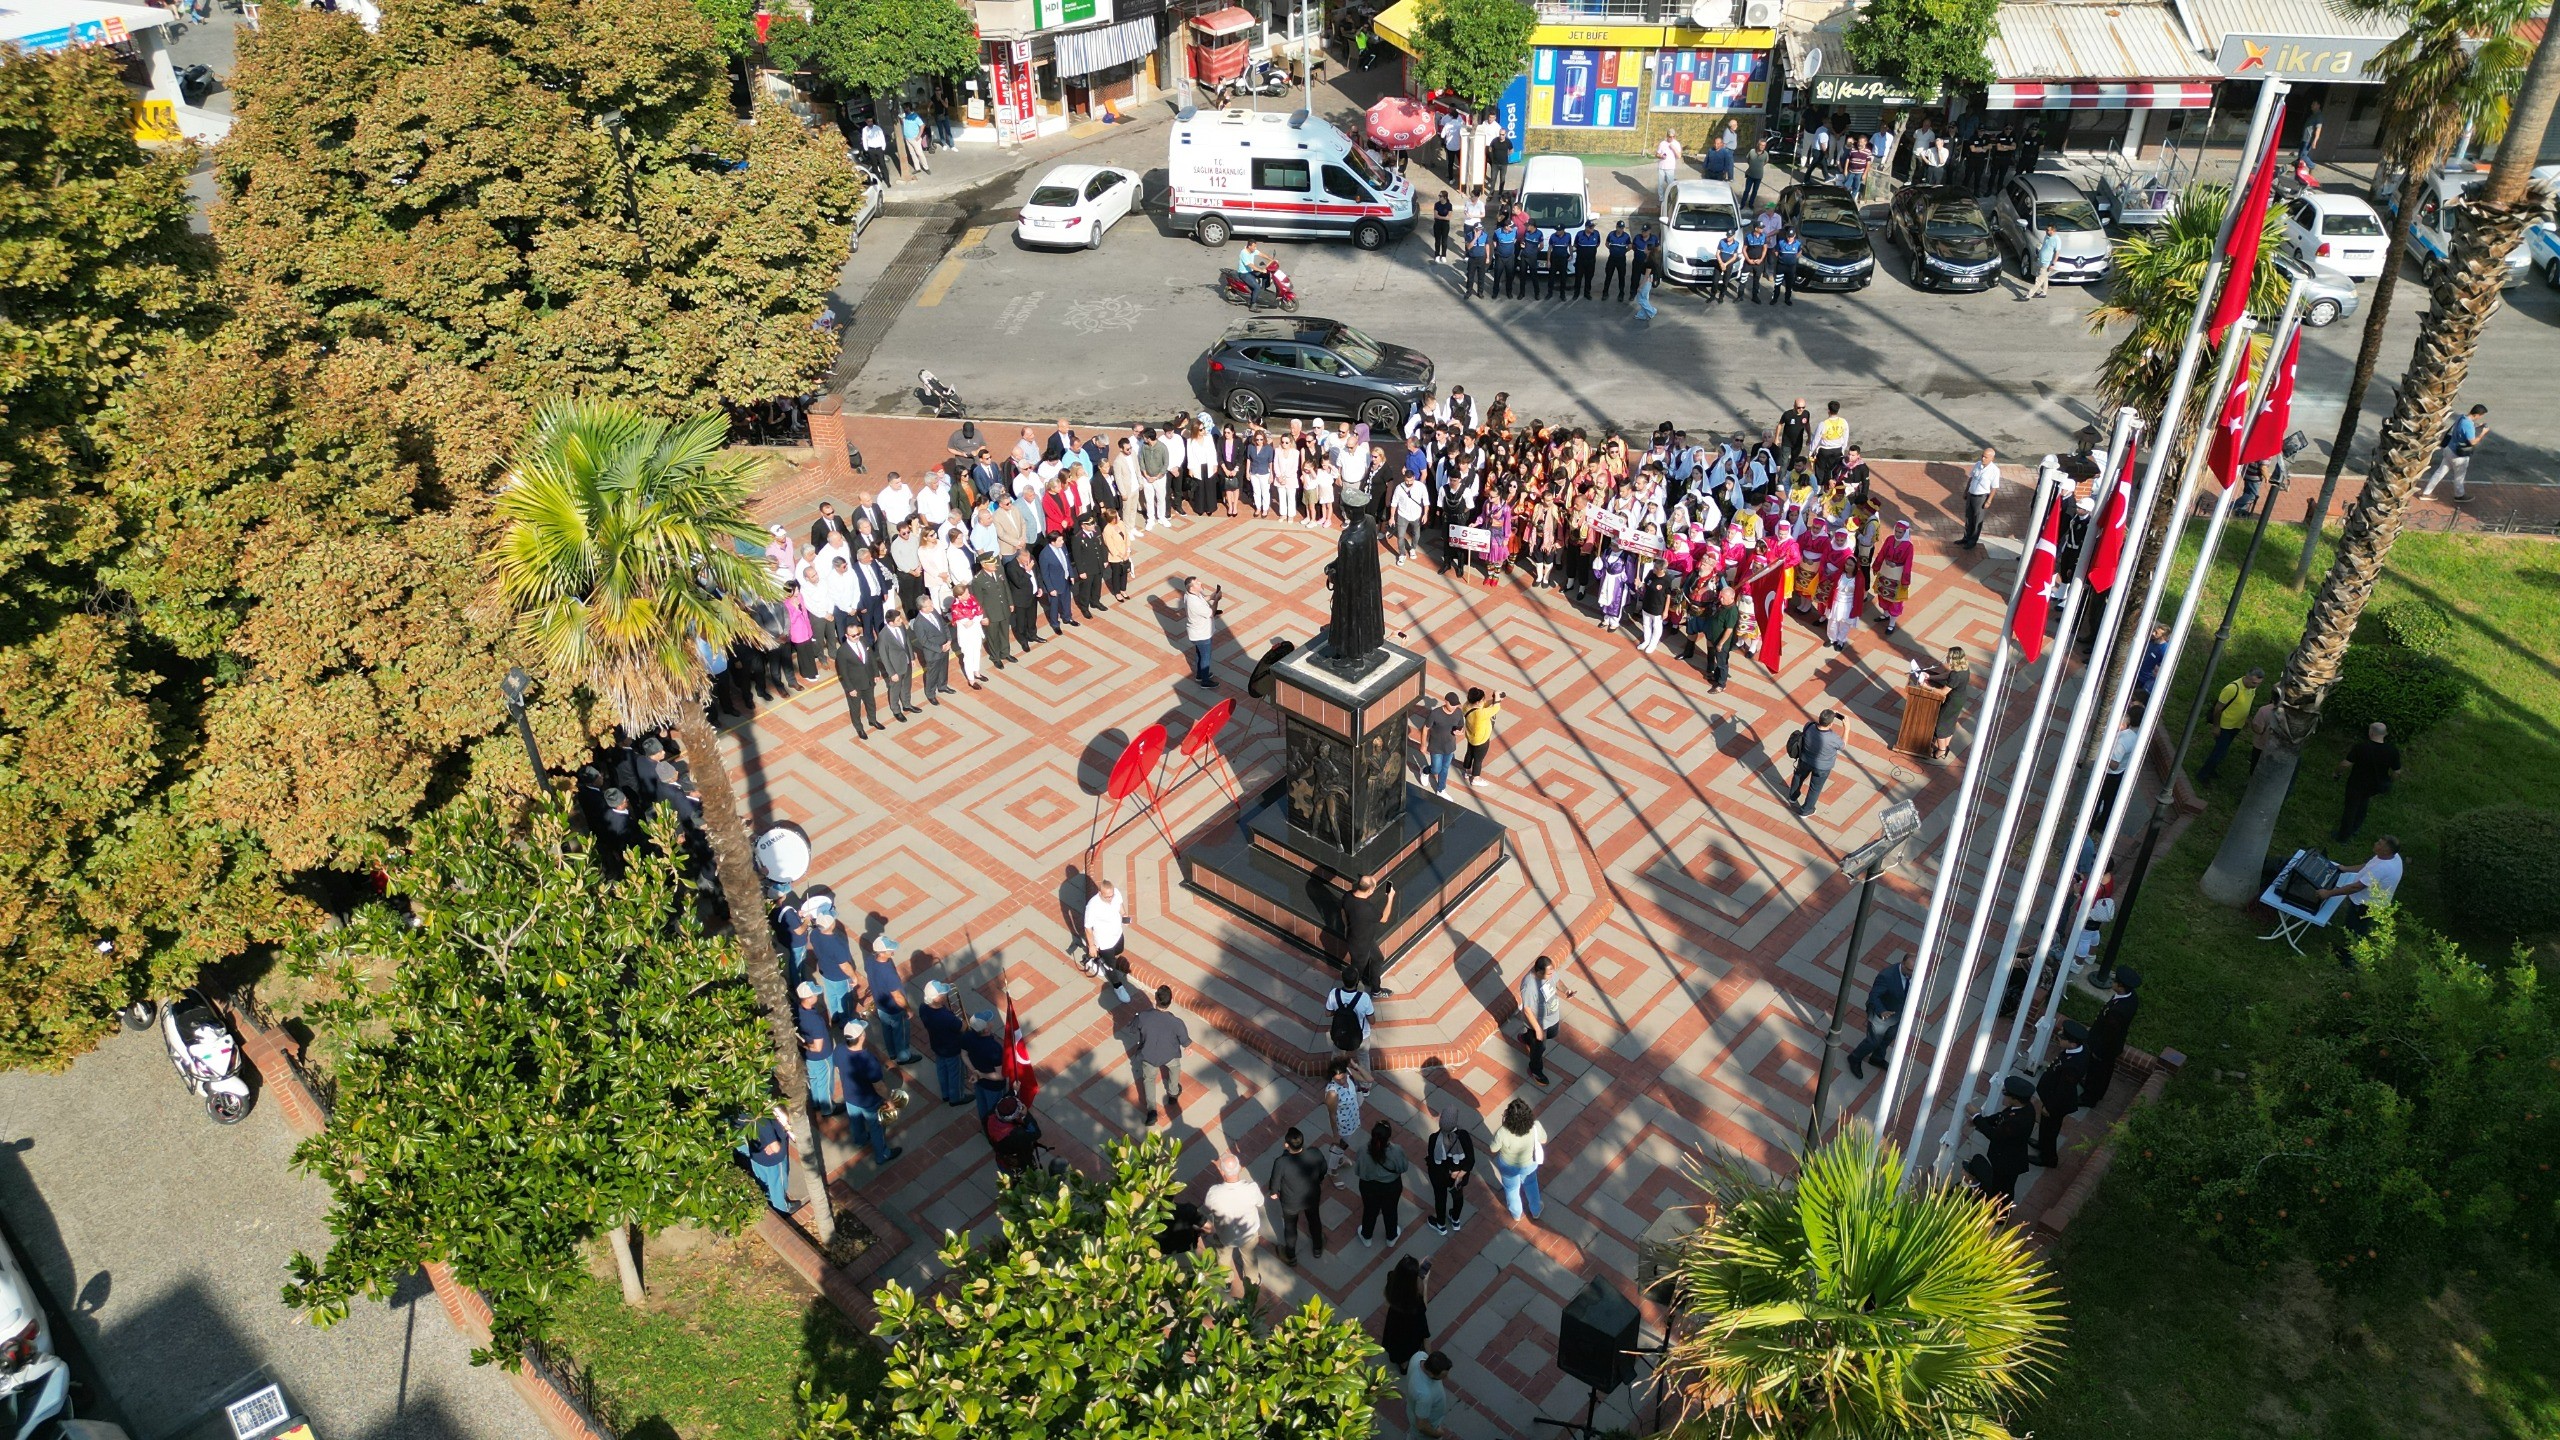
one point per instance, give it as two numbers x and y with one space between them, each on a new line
1951 846
2023 776
2066 763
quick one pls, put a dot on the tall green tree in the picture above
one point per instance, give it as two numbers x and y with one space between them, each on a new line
547 192
1930 46
2454 64
1473 47
2487 227
621 558
864 47
1076 1324
545 1054
2151 294
1839 1305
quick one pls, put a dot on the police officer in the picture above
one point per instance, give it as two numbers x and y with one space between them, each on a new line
1560 242
1786 254
1728 277
1531 262
1479 253
2058 1090
1586 255
1996 1171
1506 245
1755 258
1619 243
2106 1037
1647 246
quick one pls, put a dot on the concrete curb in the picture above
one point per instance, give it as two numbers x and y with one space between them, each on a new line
535 1380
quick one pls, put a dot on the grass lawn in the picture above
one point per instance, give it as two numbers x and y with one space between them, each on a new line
720 1348
2165 1339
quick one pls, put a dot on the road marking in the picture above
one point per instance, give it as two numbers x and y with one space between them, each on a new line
938 284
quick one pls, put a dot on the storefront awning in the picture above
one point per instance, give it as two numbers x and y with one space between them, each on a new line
1224 22
1082 52
2102 95
37 26
1396 25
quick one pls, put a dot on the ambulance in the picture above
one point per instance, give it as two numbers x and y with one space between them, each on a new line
1264 173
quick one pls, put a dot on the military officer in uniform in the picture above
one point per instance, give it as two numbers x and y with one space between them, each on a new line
1996 1170
2058 1090
2106 1037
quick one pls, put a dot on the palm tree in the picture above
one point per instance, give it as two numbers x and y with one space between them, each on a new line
2487 227
621 556
2151 292
1840 1306
2453 66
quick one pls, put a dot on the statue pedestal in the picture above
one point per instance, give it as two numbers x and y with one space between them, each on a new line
1342 812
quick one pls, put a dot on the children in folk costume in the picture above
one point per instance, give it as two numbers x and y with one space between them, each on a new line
1815 545
1497 524
1893 575
1772 572
1740 539
1617 583
1843 588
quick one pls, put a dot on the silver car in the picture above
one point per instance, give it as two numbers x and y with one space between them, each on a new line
2328 296
2028 203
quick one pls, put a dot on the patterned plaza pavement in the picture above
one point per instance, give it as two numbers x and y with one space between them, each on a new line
1699 922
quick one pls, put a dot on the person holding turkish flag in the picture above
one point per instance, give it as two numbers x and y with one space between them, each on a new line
1019 1077
2240 250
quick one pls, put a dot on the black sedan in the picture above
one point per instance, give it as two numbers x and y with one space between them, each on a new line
1947 236
1301 365
1836 255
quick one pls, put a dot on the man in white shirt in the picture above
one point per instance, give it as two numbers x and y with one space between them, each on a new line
1666 172
2377 879
2119 760
1412 501
933 503
1980 484
875 148
1234 1208
1200 629
897 499
1105 933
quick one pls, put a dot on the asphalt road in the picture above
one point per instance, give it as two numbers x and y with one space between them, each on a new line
164 1237
1110 335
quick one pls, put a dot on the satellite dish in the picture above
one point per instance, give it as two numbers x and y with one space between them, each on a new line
1812 61
1711 14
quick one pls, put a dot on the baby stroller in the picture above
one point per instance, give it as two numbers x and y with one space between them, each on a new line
939 397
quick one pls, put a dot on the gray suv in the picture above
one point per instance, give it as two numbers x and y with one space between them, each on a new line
1303 365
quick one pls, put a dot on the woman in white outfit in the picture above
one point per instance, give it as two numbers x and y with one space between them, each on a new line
1285 460
1320 492
1200 449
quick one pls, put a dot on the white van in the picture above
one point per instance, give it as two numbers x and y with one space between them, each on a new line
1554 193
2431 229
1243 171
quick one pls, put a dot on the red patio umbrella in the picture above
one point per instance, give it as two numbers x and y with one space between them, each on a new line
1400 123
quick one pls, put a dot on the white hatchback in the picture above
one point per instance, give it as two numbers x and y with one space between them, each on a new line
2339 231
1073 204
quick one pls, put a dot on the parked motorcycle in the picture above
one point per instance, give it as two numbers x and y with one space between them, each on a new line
206 1055
1236 290
938 397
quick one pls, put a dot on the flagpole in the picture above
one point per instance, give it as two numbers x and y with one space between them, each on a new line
2287 329
1951 847
2066 763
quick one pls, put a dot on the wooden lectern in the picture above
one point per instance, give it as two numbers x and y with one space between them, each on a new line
1918 737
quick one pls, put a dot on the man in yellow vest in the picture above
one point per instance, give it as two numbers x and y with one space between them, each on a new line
2230 716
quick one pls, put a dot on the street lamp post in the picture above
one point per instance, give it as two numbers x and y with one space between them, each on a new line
514 688
1901 828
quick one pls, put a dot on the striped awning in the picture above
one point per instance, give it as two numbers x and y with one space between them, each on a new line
2103 95
1081 52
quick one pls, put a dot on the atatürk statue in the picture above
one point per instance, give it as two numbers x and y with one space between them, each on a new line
1359 613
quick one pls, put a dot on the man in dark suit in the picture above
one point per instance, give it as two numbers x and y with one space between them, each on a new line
869 513
1296 1182
1885 999
1024 593
1061 440
1996 1170
857 667
1057 586
2058 1090
931 635
830 526
2106 1037
1084 552
898 664
995 601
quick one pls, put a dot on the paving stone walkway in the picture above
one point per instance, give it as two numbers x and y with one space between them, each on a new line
1699 922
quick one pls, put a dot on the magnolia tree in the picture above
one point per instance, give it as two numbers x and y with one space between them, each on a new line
1074 1323
541 1055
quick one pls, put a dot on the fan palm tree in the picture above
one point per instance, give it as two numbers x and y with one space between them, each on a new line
2151 293
621 556
2487 227
1840 1306
2455 65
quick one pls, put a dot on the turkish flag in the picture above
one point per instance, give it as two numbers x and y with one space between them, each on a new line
2266 434
2227 428
2028 628
2241 254
2102 565
1019 1077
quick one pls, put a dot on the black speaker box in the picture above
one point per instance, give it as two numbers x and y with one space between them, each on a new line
1593 1344
1260 686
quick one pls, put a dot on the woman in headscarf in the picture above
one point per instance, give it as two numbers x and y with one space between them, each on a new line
1773 570
1815 545
1893 575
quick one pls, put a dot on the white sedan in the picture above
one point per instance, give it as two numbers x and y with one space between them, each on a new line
1074 204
